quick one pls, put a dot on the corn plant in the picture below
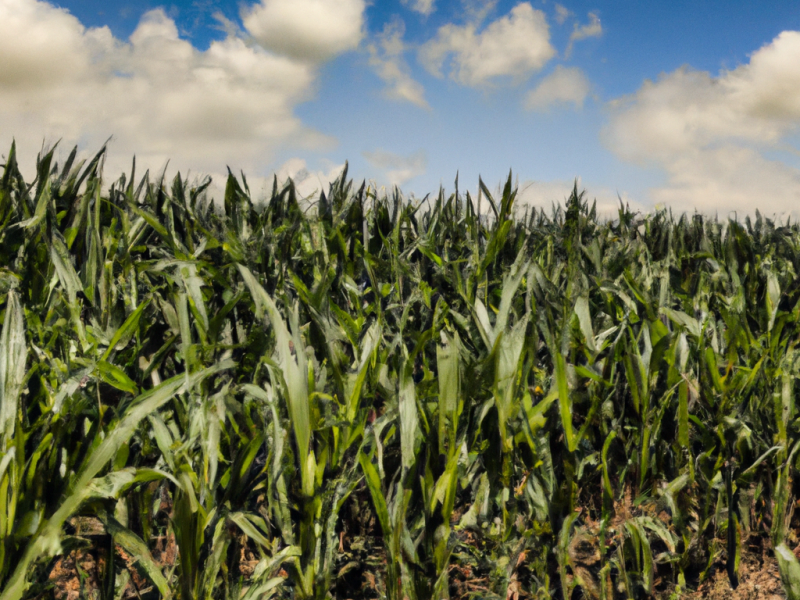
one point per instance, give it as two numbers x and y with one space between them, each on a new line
360 395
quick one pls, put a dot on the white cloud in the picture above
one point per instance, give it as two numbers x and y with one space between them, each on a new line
710 134
580 32
386 57
398 169
310 30
158 96
476 11
727 179
563 86
512 46
307 183
423 7
562 14
42 46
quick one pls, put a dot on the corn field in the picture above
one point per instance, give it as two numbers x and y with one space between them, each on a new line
371 397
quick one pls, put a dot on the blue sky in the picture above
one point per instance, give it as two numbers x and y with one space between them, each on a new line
685 104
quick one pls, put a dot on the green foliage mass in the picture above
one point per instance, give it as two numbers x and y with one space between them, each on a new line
367 396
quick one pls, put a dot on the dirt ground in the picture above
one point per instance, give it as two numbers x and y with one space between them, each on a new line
759 579
79 573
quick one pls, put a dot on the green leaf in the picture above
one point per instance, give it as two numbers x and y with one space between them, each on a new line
447 361
564 402
367 351
138 550
585 321
263 590
124 334
219 550
84 486
790 571
408 415
604 457
293 367
62 261
13 356
683 414
772 298
116 377
245 523
681 319
644 556
508 353
374 484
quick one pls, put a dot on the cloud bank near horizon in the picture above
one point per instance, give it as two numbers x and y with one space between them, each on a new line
713 136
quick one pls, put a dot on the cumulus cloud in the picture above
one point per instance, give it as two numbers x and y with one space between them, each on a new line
309 30
563 86
423 7
386 57
515 45
730 179
158 96
580 32
711 135
397 168
42 46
